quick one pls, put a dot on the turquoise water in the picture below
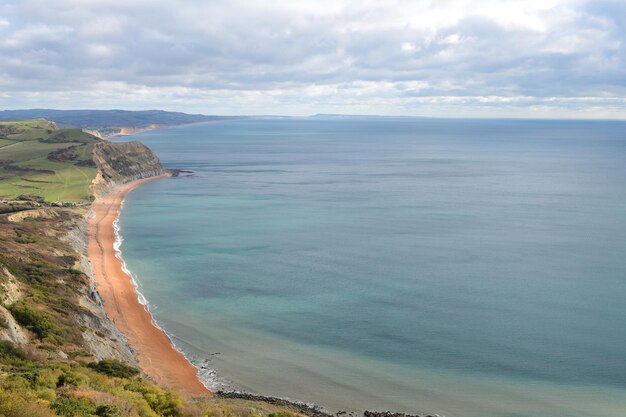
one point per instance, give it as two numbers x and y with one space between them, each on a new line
466 268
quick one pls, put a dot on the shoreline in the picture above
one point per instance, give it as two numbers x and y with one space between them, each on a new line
155 353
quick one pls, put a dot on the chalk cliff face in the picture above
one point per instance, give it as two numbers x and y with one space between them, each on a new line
122 162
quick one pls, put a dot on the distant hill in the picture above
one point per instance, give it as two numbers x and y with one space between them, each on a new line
110 122
360 116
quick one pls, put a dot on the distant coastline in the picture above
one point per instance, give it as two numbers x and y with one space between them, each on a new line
123 131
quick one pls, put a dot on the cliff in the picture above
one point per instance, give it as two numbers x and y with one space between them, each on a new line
122 162
49 305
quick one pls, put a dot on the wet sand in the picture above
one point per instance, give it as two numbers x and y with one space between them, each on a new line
153 349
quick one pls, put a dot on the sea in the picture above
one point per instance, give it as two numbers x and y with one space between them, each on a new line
465 268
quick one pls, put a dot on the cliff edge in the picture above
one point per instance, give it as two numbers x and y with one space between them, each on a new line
122 162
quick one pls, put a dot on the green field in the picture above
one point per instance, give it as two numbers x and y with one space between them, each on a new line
38 159
26 129
5 142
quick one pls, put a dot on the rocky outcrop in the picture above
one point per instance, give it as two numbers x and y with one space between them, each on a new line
125 131
10 330
392 414
310 410
10 292
20 216
95 133
122 162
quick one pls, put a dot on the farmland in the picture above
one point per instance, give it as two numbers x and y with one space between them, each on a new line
39 160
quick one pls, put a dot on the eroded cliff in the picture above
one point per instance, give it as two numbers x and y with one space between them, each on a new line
122 162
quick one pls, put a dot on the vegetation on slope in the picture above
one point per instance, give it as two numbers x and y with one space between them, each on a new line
25 129
30 387
39 284
38 159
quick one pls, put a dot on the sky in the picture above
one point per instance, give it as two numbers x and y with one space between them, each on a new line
444 58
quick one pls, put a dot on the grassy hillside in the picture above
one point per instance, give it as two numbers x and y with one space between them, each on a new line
26 129
40 160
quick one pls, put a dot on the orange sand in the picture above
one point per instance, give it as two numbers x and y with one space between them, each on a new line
153 349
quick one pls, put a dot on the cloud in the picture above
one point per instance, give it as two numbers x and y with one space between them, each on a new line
551 58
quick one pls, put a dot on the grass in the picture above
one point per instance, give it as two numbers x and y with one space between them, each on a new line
68 183
39 123
5 142
21 152
26 129
40 160
115 368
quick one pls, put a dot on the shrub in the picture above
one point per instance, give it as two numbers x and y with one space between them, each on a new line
71 378
114 368
164 403
16 404
11 354
33 320
72 407
108 410
46 394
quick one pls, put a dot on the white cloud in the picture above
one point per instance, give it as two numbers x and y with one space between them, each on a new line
481 57
408 47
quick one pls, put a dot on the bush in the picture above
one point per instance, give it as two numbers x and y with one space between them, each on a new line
33 320
114 368
71 378
164 403
72 407
108 410
16 404
10 354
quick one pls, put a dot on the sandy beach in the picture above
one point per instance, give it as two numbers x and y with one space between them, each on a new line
153 349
